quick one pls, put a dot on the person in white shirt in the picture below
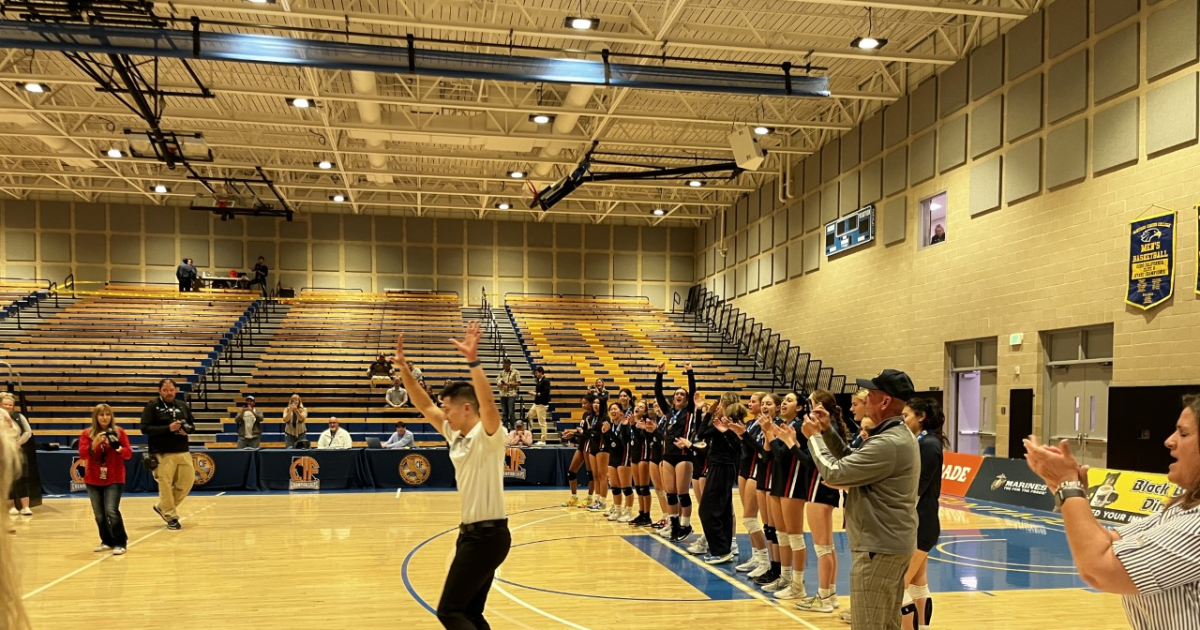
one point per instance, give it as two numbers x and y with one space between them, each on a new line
249 425
334 437
402 438
470 422
520 436
396 397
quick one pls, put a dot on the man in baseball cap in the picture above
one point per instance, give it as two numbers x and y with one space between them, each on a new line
881 518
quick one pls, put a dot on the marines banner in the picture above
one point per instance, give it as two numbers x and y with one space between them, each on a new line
1121 496
1151 261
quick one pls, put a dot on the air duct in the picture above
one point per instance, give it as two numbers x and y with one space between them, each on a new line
62 148
577 98
370 113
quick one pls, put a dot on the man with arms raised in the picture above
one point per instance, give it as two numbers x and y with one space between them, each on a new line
470 422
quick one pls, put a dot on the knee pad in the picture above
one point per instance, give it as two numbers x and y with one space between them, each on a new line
752 526
797 542
572 476
918 592
784 538
672 499
823 550
660 493
910 609
769 532
627 491
685 500
643 491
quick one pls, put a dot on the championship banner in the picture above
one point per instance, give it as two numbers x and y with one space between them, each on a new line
958 472
1121 496
1151 261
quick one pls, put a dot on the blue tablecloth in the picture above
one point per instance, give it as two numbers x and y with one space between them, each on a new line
216 469
431 467
288 469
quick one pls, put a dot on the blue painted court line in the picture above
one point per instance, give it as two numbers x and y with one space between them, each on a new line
675 561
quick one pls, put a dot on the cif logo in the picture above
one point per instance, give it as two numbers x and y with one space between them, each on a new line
999 482
514 463
304 474
78 471
205 467
414 469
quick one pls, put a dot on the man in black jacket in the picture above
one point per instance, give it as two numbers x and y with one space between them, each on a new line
166 423
540 410
261 271
186 274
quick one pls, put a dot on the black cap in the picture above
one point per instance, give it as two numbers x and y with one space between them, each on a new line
894 383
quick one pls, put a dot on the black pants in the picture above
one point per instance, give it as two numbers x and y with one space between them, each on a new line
106 507
716 507
185 284
477 556
261 282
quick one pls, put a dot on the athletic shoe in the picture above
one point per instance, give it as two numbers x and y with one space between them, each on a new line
748 565
682 535
27 512
596 506
102 548
710 559
733 548
791 591
160 514
845 616
626 517
667 532
118 551
779 584
174 524
769 577
660 524
764 567
642 521
14 511
699 547
818 604
570 503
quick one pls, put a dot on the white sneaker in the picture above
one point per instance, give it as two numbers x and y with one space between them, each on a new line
27 512
845 616
733 548
102 548
665 532
764 565
614 513
14 511
718 559
118 551
791 591
698 547
626 516
819 604
777 585
748 565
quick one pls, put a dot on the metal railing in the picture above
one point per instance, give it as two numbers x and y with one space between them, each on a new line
767 350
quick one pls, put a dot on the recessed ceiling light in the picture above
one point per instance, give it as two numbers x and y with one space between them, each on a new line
868 43
762 130
658 212
260 1
582 23
516 174
114 154
161 189
324 165
695 183
34 87
338 198
540 119
503 206
300 103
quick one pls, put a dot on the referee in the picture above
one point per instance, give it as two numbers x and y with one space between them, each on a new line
470 422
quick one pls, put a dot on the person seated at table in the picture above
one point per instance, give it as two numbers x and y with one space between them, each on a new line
334 437
380 372
520 436
397 396
402 438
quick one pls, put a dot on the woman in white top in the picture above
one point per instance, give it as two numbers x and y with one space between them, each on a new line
12 611
19 426
1154 563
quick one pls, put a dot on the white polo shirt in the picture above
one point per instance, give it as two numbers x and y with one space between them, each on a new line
479 469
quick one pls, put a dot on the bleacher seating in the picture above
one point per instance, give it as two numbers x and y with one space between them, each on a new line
578 340
15 294
113 346
323 348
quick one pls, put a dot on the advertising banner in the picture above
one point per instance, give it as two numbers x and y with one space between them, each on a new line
1010 481
958 472
1121 496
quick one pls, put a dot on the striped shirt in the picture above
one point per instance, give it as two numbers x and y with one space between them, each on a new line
1161 553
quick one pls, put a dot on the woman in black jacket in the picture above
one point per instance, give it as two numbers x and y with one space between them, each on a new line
679 418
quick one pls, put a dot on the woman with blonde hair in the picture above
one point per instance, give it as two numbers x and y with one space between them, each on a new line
104 448
294 418
12 611
19 425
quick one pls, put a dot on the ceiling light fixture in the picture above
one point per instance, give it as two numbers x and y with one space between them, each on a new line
161 189
337 198
34 87
324 165
762 130
517 174
869 42
503 206
301 103
540 119
658 212
115 154
695 183
582 23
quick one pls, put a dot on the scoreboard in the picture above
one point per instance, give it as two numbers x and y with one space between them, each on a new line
851 231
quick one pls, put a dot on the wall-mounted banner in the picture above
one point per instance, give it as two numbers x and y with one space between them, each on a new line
1151 260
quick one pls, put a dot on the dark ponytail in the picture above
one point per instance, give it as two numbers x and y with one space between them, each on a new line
932 419
825 399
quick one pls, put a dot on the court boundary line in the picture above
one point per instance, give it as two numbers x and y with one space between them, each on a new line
60 580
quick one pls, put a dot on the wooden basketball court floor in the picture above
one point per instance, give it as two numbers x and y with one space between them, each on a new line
374 560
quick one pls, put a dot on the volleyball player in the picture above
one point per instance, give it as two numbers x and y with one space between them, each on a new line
748 489
578 437
788 500
617 448
822 500
655 428
923 416
627 434
643 443
700 466
470 422
679 418
597 458
769 572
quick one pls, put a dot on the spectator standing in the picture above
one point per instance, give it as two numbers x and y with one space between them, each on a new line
509 384
104 448
166 423
186 274
334 437
295 417
249 425
397 396
520 436
402 438
18 424
12 610
261 271
540 410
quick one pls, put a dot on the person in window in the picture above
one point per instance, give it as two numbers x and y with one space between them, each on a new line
334 437
402 438
397 396
939 235
1152 563
380 372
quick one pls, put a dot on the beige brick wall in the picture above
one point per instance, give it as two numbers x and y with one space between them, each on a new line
1055 261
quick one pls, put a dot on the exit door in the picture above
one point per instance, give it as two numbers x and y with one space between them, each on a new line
975 411
1079 410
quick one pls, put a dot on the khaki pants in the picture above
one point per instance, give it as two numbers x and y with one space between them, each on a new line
541 413
175 474
876 590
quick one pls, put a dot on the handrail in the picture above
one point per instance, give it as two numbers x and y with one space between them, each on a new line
675 299
569 295
3 278
303 289
69 282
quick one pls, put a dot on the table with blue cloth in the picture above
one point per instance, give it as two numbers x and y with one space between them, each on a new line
323 469
431 467
216 469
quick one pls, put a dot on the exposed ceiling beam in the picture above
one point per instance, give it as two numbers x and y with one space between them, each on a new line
924 6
